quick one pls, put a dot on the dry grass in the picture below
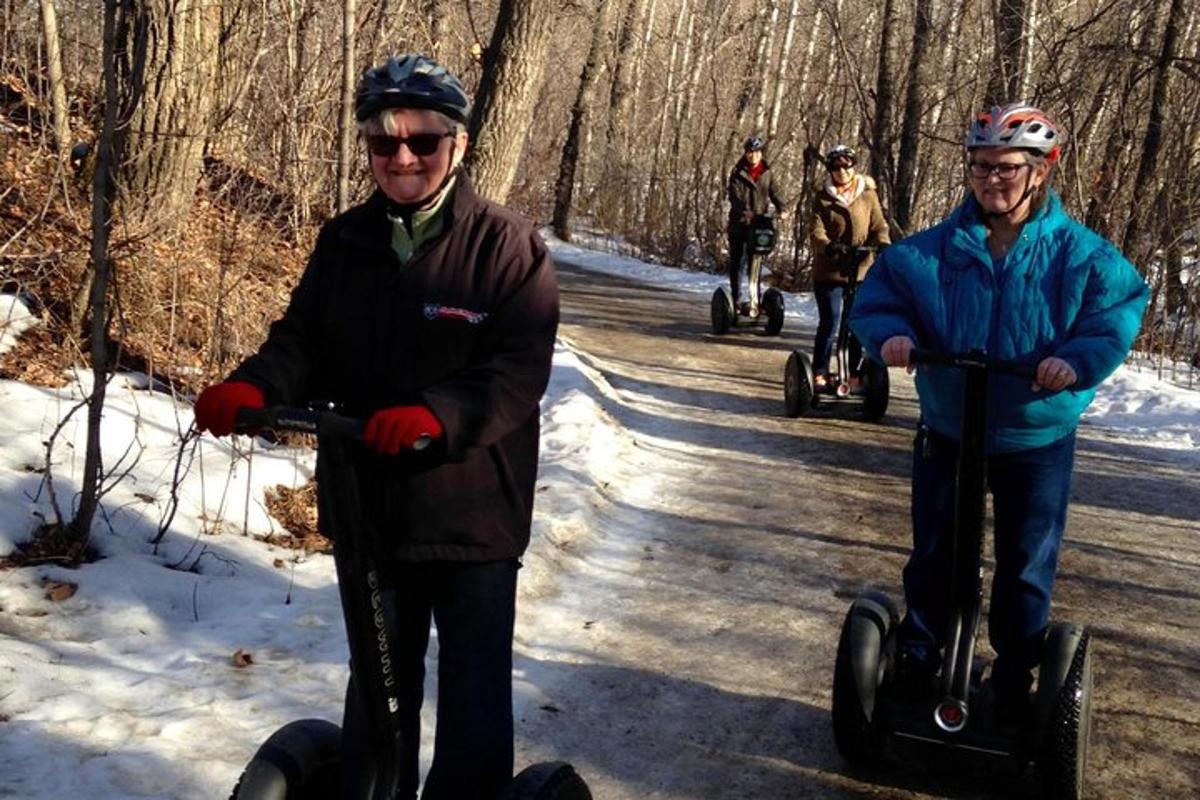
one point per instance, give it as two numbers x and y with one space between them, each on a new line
296 510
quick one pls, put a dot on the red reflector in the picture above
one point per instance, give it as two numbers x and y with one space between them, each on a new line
950 714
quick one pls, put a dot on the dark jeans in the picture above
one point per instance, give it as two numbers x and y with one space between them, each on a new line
473 607
739 235
1030 492
829 310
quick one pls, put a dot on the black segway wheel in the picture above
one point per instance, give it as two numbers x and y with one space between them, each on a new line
1063 760
797 384
299 761
863 661
722 313
773 307
552 780
876 388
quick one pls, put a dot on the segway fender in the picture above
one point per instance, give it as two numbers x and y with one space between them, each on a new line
300 760
1062 642
552 780
870 623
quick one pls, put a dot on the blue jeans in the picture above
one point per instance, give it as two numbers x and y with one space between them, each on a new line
829 309
1030 492
473 606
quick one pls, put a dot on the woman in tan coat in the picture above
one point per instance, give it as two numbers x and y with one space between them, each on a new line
846 215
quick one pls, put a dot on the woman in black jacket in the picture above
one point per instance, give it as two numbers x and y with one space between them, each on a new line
751 191
430 313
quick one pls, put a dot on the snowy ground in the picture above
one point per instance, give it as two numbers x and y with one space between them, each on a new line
129 687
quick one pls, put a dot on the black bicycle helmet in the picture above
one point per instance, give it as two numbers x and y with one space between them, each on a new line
754 144
411 81
841 152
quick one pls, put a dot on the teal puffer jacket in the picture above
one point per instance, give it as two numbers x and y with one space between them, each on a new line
1062 291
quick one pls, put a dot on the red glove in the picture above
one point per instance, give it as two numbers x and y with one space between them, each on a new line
390 430
217 406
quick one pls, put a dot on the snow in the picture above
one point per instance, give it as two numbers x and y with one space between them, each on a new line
128 688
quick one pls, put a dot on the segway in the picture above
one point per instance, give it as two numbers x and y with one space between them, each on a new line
301 760
870 397
869 709
765 307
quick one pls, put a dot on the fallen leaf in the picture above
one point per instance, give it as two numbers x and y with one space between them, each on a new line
278 563
241 658
57 591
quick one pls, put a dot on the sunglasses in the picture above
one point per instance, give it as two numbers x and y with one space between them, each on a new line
841 165
419 144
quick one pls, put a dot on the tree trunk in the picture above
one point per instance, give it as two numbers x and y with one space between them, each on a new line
882 162
346 127
1008 21
910 131
512 75
1145 186
781 67
760 70
167 135
564 189
123 79
620 96
54 71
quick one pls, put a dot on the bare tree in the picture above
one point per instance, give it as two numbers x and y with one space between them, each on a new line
564 189
170 125
54 71
512 74
123 65
910 130
1008 21
346 129
883 166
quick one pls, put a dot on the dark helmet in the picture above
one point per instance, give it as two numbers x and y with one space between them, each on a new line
753 144
841 152
411 81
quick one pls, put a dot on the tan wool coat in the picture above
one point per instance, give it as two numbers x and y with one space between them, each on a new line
859 223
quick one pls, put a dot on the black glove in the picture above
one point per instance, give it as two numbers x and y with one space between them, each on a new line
838 249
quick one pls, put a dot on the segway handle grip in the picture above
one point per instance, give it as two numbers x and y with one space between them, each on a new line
972 360
299 420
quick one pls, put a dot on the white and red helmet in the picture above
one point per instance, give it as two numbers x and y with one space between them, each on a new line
1016 125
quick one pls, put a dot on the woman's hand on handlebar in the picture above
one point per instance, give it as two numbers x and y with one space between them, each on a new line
897 352
1054 374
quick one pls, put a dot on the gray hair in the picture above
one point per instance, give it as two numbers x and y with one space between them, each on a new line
384 122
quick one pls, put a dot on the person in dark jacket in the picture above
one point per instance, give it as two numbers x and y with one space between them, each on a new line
431 313
1009 274
846 215
751 191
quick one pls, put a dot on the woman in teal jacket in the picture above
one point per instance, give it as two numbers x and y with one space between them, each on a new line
1008 273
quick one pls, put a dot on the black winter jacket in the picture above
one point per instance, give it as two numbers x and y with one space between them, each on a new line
467 328
747 194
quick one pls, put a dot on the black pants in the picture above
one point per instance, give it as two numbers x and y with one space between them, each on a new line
473 606
739 235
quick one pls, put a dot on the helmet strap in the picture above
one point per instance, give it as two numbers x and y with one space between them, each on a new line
406 210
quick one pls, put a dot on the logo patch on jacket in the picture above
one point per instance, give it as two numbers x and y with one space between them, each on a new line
435 311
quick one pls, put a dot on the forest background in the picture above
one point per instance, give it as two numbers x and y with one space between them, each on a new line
165 164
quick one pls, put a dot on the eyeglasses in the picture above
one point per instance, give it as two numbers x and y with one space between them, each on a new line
419 144
842 165
980 170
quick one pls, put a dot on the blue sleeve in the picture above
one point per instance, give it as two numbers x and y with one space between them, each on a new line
882 307
1110 314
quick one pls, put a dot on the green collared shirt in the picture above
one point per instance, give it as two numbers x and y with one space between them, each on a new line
426 224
